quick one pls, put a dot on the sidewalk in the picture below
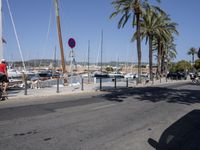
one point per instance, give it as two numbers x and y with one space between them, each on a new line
88 88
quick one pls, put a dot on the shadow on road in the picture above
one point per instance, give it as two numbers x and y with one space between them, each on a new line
156 94
184 134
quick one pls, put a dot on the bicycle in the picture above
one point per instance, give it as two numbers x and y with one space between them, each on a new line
196 80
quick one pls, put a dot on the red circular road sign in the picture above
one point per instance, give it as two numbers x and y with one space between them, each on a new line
71 43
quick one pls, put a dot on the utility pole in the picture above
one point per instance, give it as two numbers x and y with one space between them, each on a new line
60 36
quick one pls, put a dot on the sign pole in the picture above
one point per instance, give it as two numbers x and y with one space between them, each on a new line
72 44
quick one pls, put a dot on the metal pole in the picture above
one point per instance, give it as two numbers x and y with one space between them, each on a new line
60 36
160 78
88 60
25 84
57 91
100 83
115 82
101 49
82 82
127 82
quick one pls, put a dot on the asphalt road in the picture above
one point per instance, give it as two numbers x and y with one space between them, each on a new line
165 117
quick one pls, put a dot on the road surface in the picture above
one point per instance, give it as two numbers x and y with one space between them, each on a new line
123 119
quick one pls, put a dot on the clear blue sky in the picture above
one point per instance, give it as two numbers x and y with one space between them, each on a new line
83 20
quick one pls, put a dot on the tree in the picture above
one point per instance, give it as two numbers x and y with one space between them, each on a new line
128 9
197 65
157 26
192 51
164 38
149 25
183 66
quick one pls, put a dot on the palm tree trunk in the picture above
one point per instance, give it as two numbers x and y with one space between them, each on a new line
192 59
192 62
162 62
159 59
138 45
150 58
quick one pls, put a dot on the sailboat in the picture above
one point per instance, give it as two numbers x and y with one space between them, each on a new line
101 74
13 74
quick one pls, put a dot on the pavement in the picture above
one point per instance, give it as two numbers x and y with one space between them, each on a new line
19 93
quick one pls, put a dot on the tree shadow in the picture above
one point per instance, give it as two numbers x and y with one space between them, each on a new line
184 134
155 94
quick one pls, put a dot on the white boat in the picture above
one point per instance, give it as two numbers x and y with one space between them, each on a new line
13 73
15 78
99 74
116 75
130 75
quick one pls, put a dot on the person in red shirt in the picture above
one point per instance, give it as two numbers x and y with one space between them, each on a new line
4 75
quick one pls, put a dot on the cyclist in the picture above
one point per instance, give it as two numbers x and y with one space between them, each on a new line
4 75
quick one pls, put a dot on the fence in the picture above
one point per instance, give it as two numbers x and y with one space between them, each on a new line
80 83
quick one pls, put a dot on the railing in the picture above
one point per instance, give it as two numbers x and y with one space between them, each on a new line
80 83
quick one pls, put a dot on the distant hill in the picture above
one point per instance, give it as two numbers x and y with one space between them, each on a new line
48 62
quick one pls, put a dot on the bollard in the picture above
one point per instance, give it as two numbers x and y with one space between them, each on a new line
115 82
82 88
57 91
152 81
25 85
137 81
100 83
24 78
127 82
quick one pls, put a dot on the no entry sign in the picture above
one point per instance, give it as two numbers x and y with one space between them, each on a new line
71 43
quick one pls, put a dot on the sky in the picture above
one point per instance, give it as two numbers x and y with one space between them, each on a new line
84 20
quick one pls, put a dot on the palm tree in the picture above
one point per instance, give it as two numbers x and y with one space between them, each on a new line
149 26
166 31
128 9
156 26
192 51
168 54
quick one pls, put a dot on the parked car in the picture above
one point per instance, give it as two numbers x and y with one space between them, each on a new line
177 75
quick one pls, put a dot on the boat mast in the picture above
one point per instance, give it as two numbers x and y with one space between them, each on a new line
1 36
88 60
60 36
101 49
